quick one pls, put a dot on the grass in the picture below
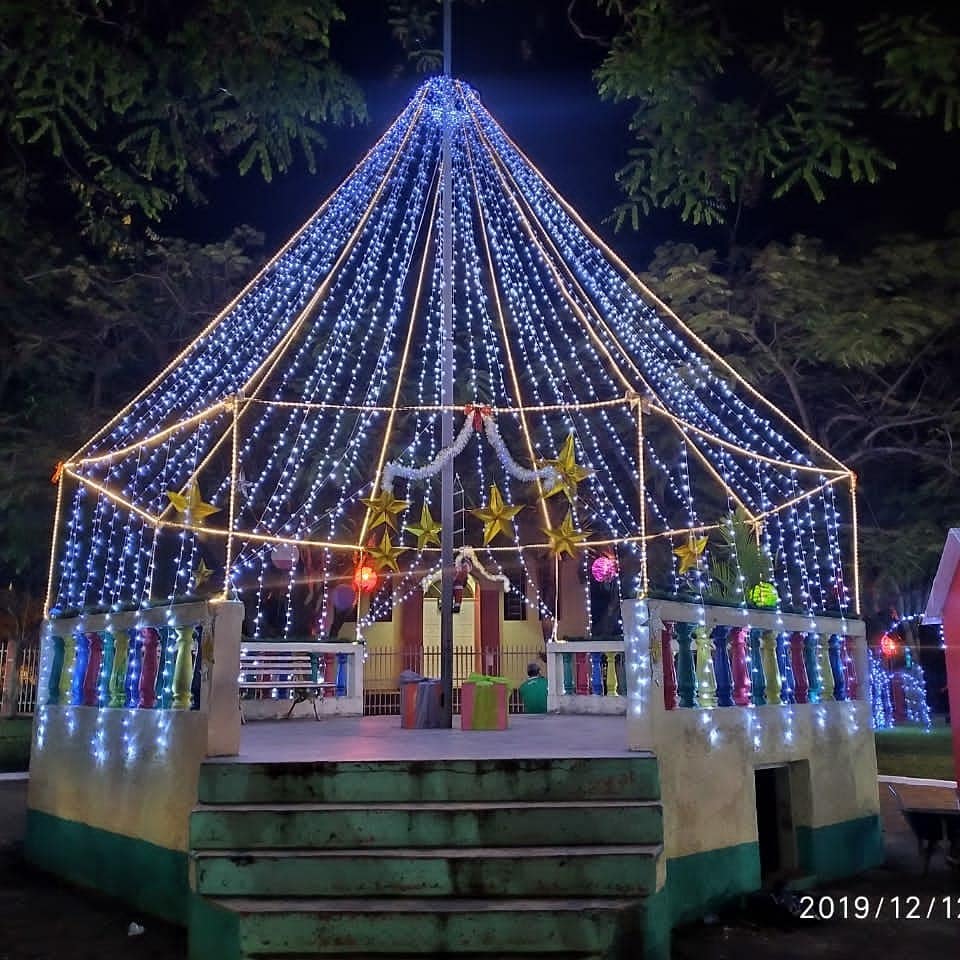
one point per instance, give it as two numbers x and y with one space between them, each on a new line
15 743
909 752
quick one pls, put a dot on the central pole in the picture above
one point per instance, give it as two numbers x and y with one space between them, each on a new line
446 397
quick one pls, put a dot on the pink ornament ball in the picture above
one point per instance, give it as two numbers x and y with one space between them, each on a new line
284 556
604 569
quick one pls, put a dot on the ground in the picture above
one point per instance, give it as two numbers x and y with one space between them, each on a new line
911 752
42 919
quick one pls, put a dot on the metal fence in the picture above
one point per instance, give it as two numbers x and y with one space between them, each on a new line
381 695
25 685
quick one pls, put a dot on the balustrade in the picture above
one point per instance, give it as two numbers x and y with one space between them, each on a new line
586 676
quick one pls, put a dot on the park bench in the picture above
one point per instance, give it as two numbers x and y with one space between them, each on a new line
296 666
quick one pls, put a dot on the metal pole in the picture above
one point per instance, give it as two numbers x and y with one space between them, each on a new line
446 396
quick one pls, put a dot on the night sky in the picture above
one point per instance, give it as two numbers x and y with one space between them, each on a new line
535 76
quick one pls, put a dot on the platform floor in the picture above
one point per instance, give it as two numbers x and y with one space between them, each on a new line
531 737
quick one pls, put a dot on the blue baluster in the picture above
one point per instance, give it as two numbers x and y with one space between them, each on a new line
836 666
79 668
786 668
757 679
596 675
814 680
341 674
56 669
721 667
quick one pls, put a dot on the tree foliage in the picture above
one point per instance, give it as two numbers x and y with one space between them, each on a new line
862 352
733 108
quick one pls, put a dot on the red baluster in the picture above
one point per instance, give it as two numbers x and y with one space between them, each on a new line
91 678
582 674
668 645
742 685
801 685
149 668
850 667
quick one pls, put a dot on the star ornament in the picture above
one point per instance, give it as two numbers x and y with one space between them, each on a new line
569 472
202 573
427 531
383 508
190 503
497 516
690 553
565 538
385 555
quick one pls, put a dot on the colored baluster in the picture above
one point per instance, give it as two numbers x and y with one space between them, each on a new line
836 667
118 673
825 669
315 674
596 676
149 666
341 674
811 662
619 668
131 684
56 670
772 677
91 676
850 667
568 687
721 666
801 684
196 652
581 674
739 667
81 656
757 680
609 683
106 670
69 664
686 665
669 647
787 687
706 679
182 668
162 690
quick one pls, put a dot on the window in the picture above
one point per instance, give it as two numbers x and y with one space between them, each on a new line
515 599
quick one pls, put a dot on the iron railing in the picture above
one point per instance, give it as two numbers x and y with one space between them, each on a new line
25 685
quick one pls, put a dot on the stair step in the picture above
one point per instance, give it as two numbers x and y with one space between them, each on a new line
561 928
601 870
631 777
356 826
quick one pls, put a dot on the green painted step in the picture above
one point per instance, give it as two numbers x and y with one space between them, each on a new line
631 777
598 871
354 826
252 929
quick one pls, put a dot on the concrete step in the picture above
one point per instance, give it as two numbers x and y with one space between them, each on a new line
630 777
397 928
623 870
356 826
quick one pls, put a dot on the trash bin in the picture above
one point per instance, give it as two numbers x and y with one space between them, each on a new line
421 702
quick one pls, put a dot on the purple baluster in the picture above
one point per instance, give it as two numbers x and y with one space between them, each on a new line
741 672
91 677
149 668
721 667
801 686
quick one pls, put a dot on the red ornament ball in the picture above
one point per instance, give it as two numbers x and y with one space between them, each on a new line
604 569
365 579
888 645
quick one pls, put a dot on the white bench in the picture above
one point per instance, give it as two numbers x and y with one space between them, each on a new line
295 665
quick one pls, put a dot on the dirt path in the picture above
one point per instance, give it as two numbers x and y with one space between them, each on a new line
43 919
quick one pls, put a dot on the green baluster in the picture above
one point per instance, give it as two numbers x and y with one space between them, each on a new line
706 679
811 660
118 676
183 668
826 671
66 672
686 666
568 687
56 672
771 670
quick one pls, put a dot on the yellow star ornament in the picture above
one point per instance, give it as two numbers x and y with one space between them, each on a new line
202 573
690 553
384 507
427 531
190 503
569 472
497 516
565 538
385 555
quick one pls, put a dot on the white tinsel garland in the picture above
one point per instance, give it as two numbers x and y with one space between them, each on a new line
469 554
547 474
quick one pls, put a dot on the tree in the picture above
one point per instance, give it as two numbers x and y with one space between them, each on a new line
860 351
732 108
